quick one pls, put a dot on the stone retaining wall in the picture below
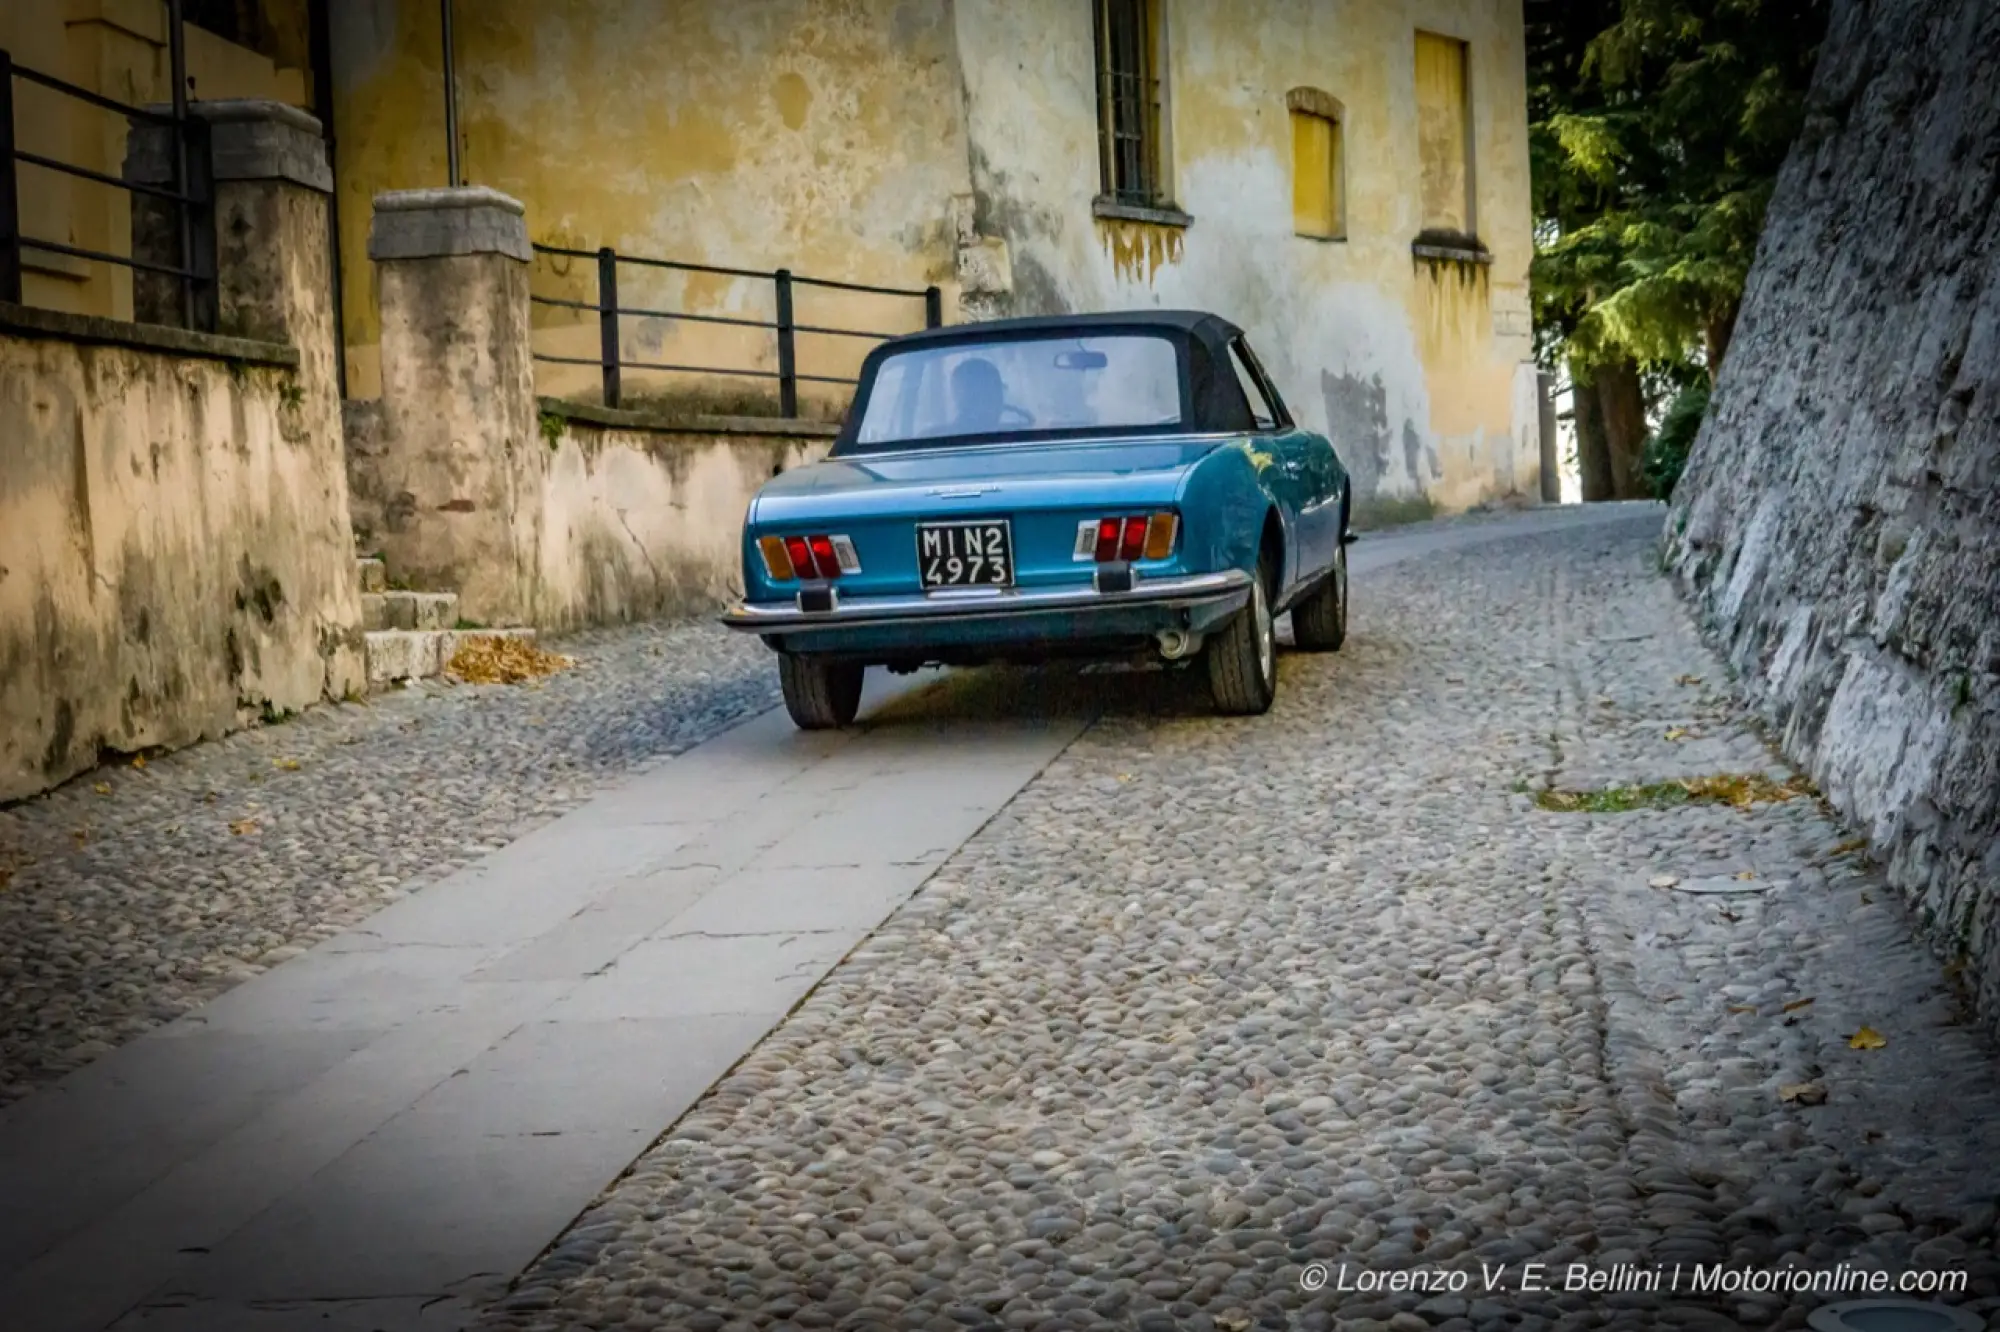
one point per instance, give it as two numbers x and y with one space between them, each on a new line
175 558
1839 522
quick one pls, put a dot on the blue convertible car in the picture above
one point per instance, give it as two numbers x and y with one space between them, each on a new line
1096 485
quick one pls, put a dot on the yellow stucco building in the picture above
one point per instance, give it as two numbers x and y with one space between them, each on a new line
1347 179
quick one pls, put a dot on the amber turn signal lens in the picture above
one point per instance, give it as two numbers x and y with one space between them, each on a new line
776 562
1160 536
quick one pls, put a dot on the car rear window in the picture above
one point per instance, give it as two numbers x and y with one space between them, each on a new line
1022 386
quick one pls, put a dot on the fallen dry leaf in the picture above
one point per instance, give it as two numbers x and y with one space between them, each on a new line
1742 1008
6 877
1797 1004
286 764
81 835
1687 679
139 762
1747 875
243 827
1867 1039
1663 880
1852 844
102 788
496 660
1677 733
1803 1093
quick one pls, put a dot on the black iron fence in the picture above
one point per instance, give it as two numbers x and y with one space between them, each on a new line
784 328
188 197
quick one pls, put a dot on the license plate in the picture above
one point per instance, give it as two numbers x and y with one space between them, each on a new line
966 554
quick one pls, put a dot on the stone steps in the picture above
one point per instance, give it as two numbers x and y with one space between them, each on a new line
409 610
396 655
374 574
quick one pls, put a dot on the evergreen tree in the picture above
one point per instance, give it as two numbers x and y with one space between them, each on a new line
1658 127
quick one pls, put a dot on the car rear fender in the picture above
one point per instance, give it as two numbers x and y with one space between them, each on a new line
1225 512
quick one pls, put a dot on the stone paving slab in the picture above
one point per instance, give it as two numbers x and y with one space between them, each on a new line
415 1107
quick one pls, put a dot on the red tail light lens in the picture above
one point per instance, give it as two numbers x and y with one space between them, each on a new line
823 556
801 556
1134 540
1107 540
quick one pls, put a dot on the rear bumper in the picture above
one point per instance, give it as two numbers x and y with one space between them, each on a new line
912 626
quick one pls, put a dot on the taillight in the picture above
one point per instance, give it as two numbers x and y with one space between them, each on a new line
1107 540
816 556
776 562
1124 540
1134 542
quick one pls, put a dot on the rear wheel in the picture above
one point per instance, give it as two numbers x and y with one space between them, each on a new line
1319 622
1243 657
820 694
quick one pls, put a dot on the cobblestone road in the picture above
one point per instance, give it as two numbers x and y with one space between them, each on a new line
1215 1001
132 897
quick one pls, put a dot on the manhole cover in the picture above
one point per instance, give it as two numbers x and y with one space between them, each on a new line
1893 1316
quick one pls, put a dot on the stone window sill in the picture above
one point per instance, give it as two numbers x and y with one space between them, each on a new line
1451 250
1158 215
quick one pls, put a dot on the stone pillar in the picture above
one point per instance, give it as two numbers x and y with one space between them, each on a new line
457 465
274 283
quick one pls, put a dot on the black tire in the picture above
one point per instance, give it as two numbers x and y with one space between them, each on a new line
1319 621
1243 657
820 694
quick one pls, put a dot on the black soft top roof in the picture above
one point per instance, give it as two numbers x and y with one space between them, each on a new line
1212 400
1210 328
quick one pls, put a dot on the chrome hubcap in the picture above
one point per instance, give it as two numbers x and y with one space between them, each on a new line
1266 644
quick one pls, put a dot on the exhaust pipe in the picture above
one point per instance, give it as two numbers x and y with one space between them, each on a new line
1177 643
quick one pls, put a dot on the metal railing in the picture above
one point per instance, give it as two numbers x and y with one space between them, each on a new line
191 194
611 359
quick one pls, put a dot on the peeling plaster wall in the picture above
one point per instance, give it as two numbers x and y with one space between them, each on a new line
819 135
172 562
1838 526
637 523
1415 369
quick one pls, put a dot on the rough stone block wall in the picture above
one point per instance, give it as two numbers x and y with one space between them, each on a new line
1839 523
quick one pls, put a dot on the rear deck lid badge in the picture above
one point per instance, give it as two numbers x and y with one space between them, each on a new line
960 492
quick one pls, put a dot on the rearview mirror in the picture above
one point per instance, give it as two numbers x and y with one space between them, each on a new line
1081 360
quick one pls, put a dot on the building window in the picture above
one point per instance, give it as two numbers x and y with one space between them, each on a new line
1131 102
1319 202
1444 137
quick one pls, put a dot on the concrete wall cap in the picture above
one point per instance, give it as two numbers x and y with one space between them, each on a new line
464 196
249 138
436 224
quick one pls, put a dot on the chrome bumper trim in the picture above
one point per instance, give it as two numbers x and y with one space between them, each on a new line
1186 589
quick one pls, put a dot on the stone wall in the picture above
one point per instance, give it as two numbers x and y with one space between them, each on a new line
171 559
644 516
175 559
1839 522
536 512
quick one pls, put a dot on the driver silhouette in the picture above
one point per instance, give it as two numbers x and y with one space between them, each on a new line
977 396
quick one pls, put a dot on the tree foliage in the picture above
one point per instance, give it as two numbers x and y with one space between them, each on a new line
1658 127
